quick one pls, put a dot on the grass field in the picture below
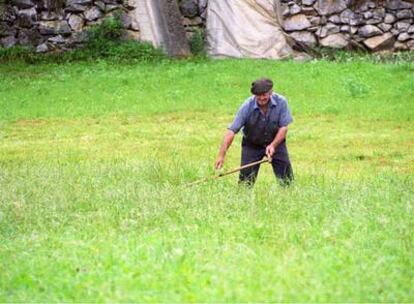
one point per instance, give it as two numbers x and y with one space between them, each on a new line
93 159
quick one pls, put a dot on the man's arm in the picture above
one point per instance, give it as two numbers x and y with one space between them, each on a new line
279 138
228 139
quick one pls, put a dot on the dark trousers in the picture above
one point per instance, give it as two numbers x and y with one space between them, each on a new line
281 165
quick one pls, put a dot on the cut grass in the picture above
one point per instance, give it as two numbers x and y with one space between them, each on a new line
94 159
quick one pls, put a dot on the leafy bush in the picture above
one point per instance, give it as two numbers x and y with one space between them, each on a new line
106 41
197 43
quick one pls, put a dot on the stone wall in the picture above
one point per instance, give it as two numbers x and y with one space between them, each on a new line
369 25
375 26
372 25
34 23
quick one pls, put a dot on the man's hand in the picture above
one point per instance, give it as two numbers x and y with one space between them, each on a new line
219 162
270 150
228 139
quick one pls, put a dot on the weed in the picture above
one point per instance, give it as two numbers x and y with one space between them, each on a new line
197 43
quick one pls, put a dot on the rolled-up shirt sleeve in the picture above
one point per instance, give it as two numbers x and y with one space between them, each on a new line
285 115
240 119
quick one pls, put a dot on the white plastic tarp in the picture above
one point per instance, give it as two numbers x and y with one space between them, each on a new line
245 28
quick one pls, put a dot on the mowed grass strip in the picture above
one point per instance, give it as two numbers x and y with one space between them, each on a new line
93 165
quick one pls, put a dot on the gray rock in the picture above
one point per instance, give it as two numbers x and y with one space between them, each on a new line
410 44
356 20
345 29
308 11
189 8
54 28
402 26
202 5
378 43
337 41
101 5
378 13
367 14
111 7
315 20
397 4
76 23
400 46
346 16
130 5
93 14
302 57
296 23
395 32
77 38
42 48
94 23
57 39
369 31
385 27
312 29
404 14
411 29
6 30
8 42
349 17
75 8
81 2
308 2
354 29
192 22
23 3
294 9
328 7
389 18
130 35
362 7
328 29
304 37
48 16
285 10
372 4
335 19
27 17
29 37
203 14
125 20
404 37
134 24
373 21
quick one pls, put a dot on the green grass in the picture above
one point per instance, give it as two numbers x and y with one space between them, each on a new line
93 159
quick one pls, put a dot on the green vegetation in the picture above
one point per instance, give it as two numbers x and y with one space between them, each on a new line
197 44
103 41
94 159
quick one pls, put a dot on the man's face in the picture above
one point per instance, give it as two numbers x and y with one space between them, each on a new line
263 99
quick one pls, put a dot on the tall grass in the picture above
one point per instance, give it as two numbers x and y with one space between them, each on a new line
94 159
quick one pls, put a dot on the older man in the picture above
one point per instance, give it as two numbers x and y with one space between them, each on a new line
264 118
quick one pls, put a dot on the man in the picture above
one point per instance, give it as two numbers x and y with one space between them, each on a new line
264 117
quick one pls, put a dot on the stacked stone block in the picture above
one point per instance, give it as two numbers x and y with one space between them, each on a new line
36 24
371 25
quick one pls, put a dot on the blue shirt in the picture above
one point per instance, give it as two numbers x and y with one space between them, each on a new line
260 129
